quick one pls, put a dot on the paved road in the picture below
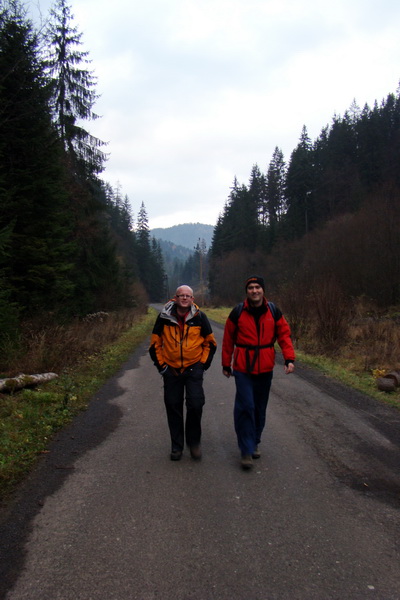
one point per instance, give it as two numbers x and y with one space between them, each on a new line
107 515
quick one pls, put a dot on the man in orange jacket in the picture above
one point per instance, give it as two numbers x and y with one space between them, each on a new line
182 347
250 334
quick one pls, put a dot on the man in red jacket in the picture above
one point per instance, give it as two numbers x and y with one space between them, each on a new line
250 333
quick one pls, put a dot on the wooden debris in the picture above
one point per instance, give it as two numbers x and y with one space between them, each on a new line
21 381
386 384
395 375
389 382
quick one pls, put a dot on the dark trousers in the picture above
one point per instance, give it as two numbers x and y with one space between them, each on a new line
175 386
251 400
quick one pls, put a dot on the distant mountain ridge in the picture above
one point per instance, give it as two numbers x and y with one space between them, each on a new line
186 234
173 251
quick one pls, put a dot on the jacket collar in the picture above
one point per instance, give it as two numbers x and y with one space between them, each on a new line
247 306
169 312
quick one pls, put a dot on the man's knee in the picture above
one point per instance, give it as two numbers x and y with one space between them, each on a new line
173 398
195 402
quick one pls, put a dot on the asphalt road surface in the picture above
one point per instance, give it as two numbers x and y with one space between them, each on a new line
107 516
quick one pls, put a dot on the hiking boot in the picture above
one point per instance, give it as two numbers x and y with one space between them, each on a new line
176 455
195 452
246 462
256 453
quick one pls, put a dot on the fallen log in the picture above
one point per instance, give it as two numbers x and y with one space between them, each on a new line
20 381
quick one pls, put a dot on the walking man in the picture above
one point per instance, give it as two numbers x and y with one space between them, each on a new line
182 347
250 333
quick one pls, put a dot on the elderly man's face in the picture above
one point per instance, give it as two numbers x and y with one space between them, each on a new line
184 296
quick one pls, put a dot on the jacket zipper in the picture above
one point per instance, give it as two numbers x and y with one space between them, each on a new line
260 337
183 336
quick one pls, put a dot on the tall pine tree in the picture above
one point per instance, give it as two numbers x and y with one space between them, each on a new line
32 193
275 185
300 187
73 91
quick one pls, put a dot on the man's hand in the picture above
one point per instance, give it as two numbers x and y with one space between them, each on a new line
289 368
227 372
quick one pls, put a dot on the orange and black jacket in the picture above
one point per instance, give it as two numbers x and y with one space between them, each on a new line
251 341
180 347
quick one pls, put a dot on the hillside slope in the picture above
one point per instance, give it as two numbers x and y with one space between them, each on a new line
186 234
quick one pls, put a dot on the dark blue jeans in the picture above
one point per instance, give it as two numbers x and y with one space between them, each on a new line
252 394
175 386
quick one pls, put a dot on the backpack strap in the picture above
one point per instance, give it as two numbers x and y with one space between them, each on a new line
276 313
236 312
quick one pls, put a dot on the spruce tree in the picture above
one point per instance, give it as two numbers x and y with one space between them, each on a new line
157 277
73 91
275 185
32 192
299 188
257 193
143 247
149 259
242 226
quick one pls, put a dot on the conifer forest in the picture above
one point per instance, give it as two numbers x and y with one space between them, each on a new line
323 224
68 244
329 219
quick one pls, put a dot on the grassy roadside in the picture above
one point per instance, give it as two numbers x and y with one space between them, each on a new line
29 418
339 368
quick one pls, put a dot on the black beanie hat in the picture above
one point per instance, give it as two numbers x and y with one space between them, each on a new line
255 279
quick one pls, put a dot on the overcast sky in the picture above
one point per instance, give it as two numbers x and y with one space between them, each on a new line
195 92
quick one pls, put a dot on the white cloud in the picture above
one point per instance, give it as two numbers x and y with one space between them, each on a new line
194 93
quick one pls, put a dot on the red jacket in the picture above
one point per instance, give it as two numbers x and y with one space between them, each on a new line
252 343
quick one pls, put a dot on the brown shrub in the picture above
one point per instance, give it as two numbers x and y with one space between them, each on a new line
375 343
295 305
47 346
331 314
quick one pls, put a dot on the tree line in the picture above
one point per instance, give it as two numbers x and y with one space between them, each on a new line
329 217
68 243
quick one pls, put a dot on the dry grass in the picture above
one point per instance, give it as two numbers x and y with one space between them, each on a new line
219 315
370 348
374 344
84 354
51 347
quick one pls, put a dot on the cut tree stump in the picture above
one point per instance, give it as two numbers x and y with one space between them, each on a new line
395 375
386 384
